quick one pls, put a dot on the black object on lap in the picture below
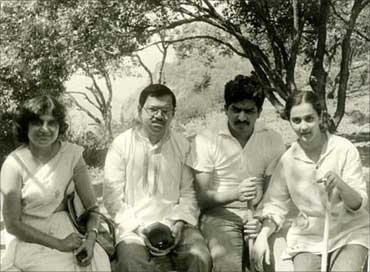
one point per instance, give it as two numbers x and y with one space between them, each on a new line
159 235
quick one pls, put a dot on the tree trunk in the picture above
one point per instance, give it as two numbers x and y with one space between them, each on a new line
318 74
345 61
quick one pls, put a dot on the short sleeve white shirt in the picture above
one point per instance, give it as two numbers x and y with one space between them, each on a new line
220 153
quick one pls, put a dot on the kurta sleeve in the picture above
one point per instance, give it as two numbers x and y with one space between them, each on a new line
353 176
187 208
114 188
275 204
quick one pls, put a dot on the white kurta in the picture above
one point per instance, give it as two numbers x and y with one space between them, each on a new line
147 183
295 179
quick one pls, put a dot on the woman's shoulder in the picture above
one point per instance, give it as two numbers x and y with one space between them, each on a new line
290 152
13 158
71 148
340 143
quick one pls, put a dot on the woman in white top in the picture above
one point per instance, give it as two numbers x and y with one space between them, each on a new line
33 180
317 165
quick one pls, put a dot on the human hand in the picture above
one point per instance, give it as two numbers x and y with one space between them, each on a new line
252 228
154 250
177 229
260 252
85 252
71 242
331 180
247 189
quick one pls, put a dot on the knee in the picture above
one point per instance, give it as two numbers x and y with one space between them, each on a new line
200 255
130 257
125 263
225 261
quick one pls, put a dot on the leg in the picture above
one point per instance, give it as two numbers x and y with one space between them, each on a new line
306 261
133 257
277 243
348 258
192 253
223 231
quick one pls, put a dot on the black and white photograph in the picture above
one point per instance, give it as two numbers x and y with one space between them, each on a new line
184 135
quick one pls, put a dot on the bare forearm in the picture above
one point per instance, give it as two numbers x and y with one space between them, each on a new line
92 226
213 199
350 197
268 228
29 234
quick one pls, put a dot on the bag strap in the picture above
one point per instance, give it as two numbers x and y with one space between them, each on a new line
111 224
66 189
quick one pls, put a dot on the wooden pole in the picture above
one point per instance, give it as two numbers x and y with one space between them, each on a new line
250 239
324 256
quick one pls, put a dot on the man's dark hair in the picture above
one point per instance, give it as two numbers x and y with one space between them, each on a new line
242 88
156 90
32 109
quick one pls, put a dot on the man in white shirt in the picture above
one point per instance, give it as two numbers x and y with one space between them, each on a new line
233 166
148 181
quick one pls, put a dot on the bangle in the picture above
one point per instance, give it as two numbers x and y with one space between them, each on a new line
95 230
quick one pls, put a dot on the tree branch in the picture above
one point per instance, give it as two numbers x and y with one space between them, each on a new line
86 98
336 13
144 67
298 24
358 6
318 74
228 45
82 108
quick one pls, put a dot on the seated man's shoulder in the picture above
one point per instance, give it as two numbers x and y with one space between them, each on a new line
267 132
181 140
207 135
123 136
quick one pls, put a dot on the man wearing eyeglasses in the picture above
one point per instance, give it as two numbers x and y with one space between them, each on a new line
149 192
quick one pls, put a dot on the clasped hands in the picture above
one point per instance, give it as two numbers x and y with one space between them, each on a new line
176 231
81 245
250 189
331 180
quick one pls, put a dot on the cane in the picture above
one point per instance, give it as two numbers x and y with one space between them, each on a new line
250 217
324 256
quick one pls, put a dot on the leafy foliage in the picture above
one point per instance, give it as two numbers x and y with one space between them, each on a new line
44 42
277 37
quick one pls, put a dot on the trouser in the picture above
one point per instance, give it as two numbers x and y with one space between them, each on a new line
191 254
223 230
347 258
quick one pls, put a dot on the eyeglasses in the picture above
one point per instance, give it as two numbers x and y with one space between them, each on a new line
154 111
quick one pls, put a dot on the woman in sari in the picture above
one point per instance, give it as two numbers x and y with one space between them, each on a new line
34 178
321 174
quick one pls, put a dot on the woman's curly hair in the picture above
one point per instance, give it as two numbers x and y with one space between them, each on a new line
32 109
